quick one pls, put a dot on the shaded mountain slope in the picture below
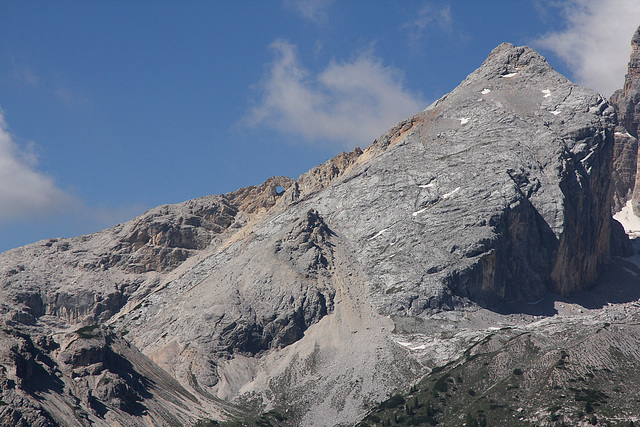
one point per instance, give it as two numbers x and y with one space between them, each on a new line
577 367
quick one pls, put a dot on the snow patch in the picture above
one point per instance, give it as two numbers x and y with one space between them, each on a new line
416 213
378 234
629 220
627 134
412 346
555 113
485 91
464 120
451 193
443 197
547 93
429 185
509 75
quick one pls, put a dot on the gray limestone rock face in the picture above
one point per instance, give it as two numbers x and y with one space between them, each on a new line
627 104
166 236
498 192
86 377
90 278
627 99
623 176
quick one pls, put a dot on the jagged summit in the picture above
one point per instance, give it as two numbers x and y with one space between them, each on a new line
496 194
506 58
635 40
626 99
501 147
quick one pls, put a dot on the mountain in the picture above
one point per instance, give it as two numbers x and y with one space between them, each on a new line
626 101
464 227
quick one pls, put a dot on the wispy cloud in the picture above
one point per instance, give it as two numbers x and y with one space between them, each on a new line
312 10
596 43
27 193
348 103
25 76
427 17
17 73
70 98
24 191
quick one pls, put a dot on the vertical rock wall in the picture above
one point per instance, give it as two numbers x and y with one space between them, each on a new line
627 104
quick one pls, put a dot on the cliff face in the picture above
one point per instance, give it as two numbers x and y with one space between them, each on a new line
498 192
627 104
627 99
84 376
491 189
623 177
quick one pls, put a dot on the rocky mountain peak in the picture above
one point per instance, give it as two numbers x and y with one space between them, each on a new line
289 299
635 40
628 98
633 74
507 59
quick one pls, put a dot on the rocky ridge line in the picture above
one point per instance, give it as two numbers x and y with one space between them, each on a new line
494 196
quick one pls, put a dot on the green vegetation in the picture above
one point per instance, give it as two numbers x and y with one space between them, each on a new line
487 386
272 418
206 423
393 402
441 384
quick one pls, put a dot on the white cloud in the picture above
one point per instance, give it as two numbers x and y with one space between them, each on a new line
349 103
596 43
426 17
312 10
30 201
23 190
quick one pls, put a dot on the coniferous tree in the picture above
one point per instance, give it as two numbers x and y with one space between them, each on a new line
470 421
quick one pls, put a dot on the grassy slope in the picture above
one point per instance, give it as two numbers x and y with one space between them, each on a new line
577 375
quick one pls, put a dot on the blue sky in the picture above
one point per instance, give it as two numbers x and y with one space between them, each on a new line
112 108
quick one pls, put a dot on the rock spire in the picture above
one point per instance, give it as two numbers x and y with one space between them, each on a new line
626 101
